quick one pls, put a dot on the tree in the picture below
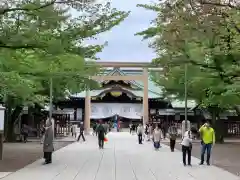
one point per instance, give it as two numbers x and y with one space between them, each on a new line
40 40
206 38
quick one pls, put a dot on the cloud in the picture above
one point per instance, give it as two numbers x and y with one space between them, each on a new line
123 45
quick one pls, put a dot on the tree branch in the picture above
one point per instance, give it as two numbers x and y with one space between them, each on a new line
220 4
4 11
14 47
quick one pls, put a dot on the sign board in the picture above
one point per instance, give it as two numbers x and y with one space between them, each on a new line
2 110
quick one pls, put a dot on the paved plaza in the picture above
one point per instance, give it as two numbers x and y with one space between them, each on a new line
122 159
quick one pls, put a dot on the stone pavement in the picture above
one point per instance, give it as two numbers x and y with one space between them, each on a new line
122 159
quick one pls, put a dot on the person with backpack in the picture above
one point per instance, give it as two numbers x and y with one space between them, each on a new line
101 134
81 132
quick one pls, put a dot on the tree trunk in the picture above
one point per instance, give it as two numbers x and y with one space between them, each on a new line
31 110
11 117
217 125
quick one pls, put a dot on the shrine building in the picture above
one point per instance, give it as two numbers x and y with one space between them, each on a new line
126 92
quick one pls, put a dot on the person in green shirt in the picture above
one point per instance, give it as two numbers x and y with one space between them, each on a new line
207 134
101 132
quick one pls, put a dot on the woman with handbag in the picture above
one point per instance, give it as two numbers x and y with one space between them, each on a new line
187 147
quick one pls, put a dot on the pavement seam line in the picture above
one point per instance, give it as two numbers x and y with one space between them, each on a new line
80 169
65 167
155 177
115 162
99 165
134 173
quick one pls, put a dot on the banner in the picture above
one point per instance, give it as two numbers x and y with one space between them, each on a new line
106 110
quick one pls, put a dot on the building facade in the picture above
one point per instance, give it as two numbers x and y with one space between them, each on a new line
126 93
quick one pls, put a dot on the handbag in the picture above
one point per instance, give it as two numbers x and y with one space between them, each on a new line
105 139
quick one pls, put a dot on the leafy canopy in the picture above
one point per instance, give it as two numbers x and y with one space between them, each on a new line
204 35
43 39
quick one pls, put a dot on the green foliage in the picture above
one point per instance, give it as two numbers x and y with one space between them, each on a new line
40 40
205 35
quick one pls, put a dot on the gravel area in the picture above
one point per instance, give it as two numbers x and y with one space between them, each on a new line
18 155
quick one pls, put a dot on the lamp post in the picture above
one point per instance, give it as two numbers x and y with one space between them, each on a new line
51 105
2 112
185 98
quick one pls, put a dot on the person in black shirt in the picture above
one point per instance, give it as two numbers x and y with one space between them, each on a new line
101 134
81 132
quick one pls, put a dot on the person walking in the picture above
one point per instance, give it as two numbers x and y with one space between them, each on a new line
207 135
186 147
24 132
81 132
157 136
110 126
172 131
101 134
133 129
164 128
48 147
150 130
147 132
130 128
106 127
74 130
140 131
94 129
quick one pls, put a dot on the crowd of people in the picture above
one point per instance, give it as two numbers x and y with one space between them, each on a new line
144 133
155 133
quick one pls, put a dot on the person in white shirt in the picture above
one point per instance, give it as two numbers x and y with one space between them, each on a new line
157 136
187 147
140 131
74 130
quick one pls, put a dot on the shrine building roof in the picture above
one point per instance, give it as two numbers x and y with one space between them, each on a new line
135 89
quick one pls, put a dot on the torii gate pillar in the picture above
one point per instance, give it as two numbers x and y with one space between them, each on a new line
145 96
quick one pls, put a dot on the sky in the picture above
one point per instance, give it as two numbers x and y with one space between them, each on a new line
123 45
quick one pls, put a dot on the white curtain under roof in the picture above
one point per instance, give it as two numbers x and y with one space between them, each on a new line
106 110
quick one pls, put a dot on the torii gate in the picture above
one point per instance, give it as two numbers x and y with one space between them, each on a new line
143 77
